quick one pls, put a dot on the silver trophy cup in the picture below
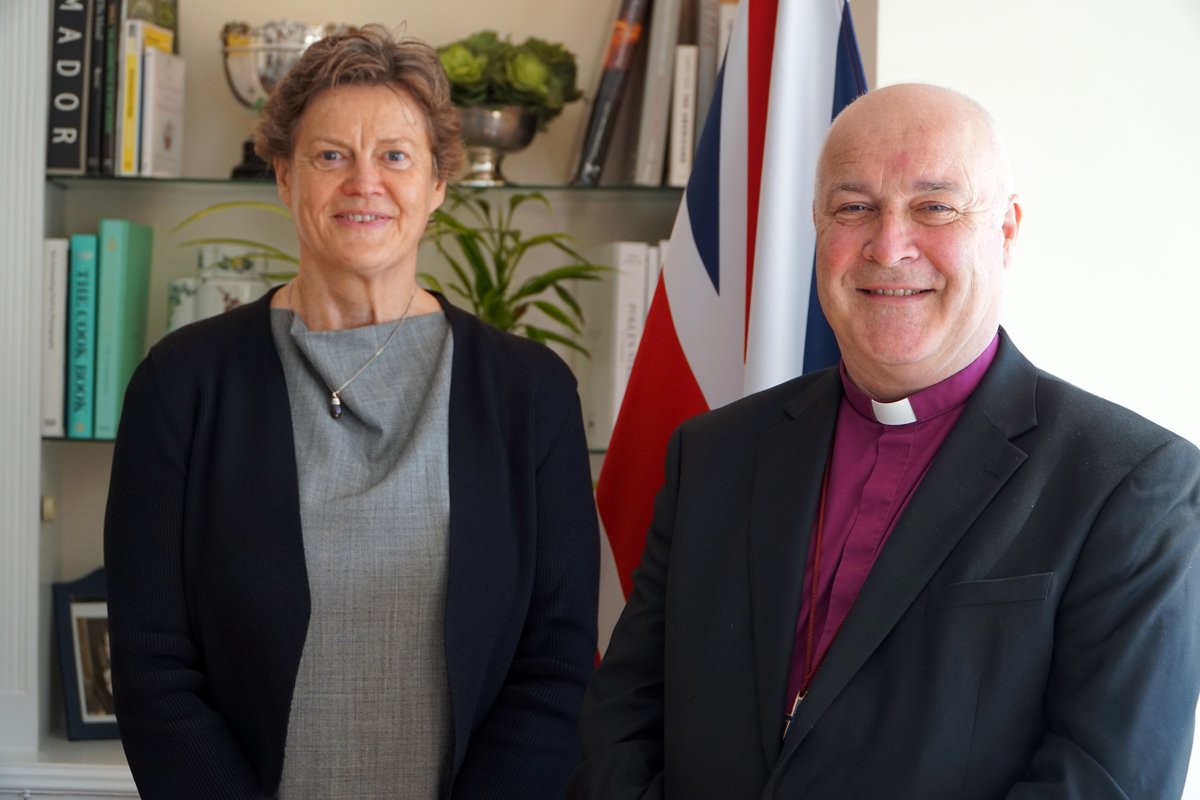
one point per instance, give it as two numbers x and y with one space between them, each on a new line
256 59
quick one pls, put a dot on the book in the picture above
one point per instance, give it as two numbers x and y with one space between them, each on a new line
108 114
622 144
654 267
121 301
138 35
727 16
163 13
95 90
614 312
70 76
54 329
81 337
652 133
683 116
651 148
626 33
650 275
161 141
708 35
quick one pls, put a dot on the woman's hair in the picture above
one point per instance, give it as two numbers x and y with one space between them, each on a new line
366 56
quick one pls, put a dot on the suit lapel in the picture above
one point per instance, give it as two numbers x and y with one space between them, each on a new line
787 482
974 463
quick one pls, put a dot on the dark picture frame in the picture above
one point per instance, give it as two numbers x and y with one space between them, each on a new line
81 625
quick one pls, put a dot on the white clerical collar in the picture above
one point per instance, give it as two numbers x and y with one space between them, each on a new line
897 413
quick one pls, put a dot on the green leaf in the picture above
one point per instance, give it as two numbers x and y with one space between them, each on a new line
558 315
540 283
499 313
431 282
477 262
263 249
539 241
518 199
543 335
570 300
216 207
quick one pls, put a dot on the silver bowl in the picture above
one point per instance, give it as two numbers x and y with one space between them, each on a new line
491 133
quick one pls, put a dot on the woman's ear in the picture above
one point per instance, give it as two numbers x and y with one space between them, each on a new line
283 178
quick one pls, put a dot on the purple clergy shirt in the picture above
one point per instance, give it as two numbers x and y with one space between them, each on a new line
880 453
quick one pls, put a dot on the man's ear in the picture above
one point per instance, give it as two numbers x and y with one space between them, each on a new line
1010 227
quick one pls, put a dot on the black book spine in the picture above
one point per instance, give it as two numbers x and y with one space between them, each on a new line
108 122
70 46
627 33
95 115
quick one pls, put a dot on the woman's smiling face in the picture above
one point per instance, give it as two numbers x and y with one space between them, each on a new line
361 182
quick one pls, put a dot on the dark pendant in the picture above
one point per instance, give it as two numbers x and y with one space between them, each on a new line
335 407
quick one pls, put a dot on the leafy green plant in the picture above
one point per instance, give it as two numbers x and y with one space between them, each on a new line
483 248
489 71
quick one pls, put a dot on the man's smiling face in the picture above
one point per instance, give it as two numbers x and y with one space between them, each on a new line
915 225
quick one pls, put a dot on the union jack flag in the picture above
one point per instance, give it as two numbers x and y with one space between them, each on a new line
735 308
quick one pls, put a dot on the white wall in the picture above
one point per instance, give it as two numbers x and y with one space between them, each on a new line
1100 101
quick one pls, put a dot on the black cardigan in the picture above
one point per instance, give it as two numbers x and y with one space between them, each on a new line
208 593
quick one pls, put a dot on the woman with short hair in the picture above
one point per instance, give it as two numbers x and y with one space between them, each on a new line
350 539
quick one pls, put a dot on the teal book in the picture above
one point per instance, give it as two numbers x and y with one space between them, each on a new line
81 337
121 302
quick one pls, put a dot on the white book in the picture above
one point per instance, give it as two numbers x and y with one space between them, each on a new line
683 116
657 269
161 144
653 263
137 36
651 149
54 333
727 16
614 309
708 36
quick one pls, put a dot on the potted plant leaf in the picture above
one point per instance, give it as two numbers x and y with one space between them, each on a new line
505 93
483 248
486 70
254 249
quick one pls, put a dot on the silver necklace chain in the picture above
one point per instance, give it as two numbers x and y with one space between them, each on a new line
335 401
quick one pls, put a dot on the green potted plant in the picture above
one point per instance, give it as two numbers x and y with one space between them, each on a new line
505 93
483 249
486 70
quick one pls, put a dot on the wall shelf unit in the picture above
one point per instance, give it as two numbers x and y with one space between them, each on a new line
45 542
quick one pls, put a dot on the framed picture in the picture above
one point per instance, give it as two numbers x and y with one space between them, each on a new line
81 620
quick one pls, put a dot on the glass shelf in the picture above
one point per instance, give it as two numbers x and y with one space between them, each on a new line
68 181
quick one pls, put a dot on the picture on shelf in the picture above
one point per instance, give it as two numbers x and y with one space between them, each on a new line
81 617
93 664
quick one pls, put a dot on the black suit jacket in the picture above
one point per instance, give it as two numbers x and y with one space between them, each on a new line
1030 628
208 594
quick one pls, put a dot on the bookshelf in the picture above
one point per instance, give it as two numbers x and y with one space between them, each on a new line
52 492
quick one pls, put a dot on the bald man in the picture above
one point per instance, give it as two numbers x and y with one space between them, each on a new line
932 572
